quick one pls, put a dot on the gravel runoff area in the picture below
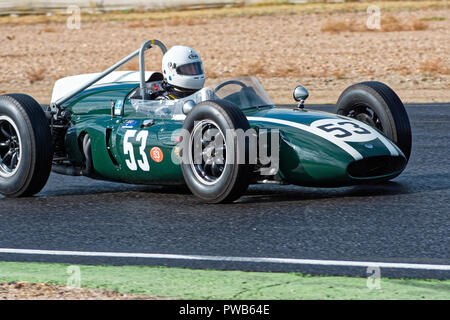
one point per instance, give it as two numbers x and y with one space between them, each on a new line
282 50
23 290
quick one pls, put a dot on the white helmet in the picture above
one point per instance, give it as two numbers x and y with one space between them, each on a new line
182 68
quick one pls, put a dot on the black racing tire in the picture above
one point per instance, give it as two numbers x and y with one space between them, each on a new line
379 106
233 179
24 133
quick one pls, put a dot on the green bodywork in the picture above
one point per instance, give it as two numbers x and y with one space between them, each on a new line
305 158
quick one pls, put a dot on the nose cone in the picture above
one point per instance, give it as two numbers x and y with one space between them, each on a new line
326 150
318 163
308 161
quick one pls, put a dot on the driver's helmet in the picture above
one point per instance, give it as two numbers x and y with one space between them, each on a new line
183 69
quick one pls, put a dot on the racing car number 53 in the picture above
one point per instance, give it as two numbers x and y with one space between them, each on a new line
346 130
131 163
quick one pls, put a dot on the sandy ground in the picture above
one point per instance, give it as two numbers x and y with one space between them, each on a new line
41 291
283 51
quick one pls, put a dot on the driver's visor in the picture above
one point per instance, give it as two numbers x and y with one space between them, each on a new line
190 69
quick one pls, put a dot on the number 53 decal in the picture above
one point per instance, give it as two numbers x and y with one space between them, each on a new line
346 130
128 149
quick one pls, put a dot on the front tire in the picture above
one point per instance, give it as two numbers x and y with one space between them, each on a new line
379 106
218 175
26 150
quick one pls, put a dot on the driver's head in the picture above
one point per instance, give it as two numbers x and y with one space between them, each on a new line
183 69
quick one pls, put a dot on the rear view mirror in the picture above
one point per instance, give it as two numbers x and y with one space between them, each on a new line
300 95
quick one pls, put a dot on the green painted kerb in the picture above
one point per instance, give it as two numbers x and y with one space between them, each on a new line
213 284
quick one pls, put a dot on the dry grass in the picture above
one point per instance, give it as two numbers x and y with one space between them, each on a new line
253 68
213 73
419 25
339 74
324 72
261 68
336 26
48 29
433 18
258 67
434 66
168 22
270 8
380 55
389 23
402 70
133 65
144 24
184 22
36 74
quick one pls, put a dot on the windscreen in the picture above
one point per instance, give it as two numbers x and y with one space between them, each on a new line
245 92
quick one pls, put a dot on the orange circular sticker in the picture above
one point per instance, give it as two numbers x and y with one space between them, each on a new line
156 154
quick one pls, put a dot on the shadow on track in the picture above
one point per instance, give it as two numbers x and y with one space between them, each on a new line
412 184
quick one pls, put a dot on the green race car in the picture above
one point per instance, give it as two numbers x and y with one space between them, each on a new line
217 141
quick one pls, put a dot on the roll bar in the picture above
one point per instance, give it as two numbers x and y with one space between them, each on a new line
145 46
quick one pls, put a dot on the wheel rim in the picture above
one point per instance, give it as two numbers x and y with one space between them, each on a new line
208 141
367 115
10 147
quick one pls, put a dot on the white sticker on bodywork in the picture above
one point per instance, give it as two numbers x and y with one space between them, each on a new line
346 130
339 132
338 142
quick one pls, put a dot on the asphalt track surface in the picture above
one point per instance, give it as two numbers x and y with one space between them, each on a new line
403 221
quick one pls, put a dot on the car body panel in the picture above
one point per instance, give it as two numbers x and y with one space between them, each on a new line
311 154
313 160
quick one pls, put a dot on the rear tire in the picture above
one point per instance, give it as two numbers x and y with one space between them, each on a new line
379 106
26 150
216 182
